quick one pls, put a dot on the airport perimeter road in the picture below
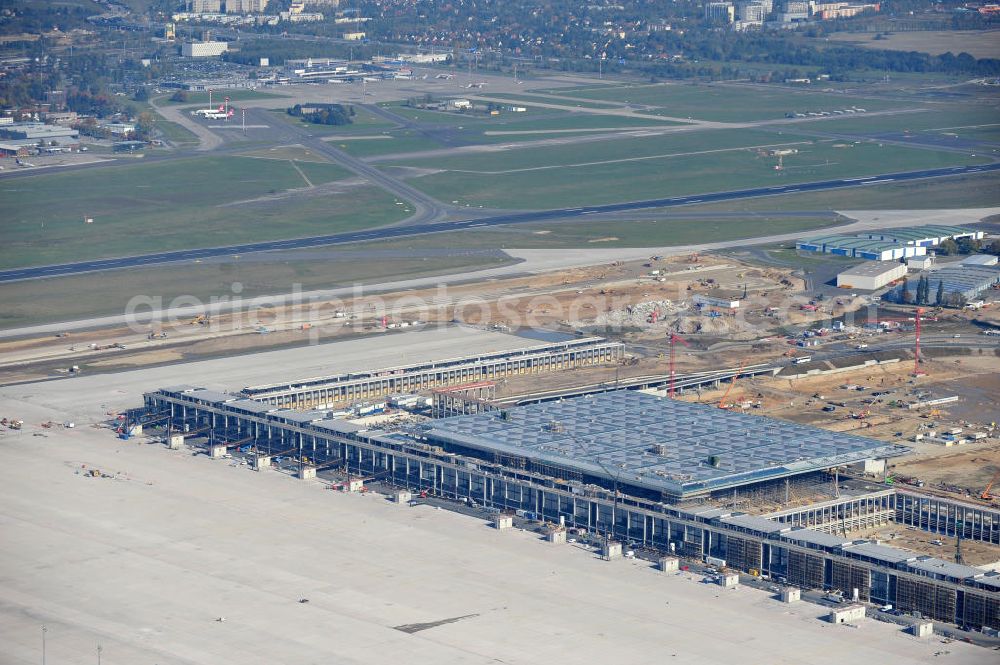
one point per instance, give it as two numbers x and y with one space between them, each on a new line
418 229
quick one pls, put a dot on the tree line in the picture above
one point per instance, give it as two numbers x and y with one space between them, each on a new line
325 114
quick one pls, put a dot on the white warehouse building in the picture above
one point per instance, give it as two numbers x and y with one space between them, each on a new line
860 248
924 236
980 260
871 276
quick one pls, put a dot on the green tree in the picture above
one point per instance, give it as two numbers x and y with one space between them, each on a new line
144 126
947 247
940 293
955 299
904 293
968 245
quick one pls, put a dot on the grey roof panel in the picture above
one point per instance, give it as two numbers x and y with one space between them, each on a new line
338 425
661 444
755 523
212 396
883 553
941 567
803 535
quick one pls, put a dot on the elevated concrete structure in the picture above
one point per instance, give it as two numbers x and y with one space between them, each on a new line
805 557
329 391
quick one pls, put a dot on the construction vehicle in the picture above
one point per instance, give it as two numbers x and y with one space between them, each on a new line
986 496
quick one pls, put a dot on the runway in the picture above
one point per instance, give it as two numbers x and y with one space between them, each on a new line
419 229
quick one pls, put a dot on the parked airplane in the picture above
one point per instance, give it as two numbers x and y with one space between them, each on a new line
214 114
220 115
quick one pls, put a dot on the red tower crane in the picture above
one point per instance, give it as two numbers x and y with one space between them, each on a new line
674 338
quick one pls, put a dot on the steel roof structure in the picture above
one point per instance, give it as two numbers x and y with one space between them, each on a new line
969 280
669 446
926 232
852 242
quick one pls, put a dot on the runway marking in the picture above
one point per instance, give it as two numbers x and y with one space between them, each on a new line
629 159
938 129
296 167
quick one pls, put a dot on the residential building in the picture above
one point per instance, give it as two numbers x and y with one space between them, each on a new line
204 6
720 12
752 12
246 6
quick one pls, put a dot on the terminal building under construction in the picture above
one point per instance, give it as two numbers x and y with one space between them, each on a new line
631 465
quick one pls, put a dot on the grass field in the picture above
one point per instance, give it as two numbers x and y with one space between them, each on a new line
728 103
985 133
107 294
579 121
625 170
937 118
69 298
972 191
178 204
287 152
445 118
527 99
176 134
977 43
666 232
395 142
607 150
403 141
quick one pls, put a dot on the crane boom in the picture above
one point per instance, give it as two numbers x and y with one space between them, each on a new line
722 402
986 496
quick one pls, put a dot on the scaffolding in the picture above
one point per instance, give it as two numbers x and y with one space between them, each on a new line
847 577
806 570
929 599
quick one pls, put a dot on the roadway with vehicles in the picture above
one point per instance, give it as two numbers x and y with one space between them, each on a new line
414 227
